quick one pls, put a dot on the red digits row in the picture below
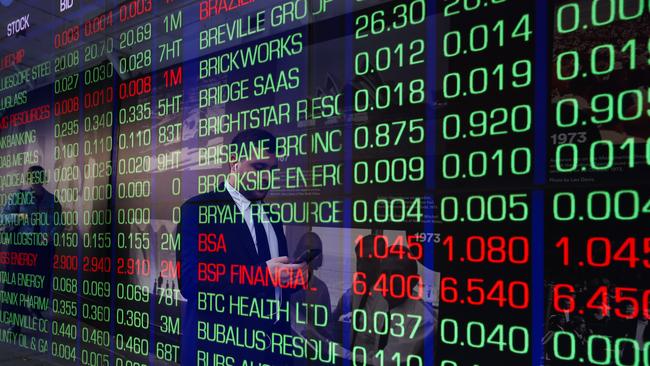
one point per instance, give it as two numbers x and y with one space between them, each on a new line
626 302
491 249
90 264
381 248
65 262
395 285
475 291
132 266
170 268
12 58
99 97
98 24
602 252
135 87
70 105
67 37
125 266
134 9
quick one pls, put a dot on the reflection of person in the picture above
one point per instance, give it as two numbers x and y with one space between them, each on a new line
349 301
319 293
226 234
33 208
411 321
30 229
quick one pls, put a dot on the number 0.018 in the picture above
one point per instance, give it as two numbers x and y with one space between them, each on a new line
385 96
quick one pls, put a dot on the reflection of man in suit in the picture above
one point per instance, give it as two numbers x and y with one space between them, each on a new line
30 230
225 233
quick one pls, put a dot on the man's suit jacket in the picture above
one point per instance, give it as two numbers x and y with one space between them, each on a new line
240 250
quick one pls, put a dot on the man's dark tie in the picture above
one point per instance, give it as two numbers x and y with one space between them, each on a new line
262 243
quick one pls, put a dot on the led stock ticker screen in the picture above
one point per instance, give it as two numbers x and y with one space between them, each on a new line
324 182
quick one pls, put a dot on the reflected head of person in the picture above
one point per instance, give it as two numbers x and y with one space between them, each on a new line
367 261
398 266
253 159
36 178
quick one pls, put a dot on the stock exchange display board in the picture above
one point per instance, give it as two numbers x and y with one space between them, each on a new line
324 182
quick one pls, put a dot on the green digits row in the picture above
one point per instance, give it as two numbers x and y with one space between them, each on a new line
134 139
65 84
63 329
91 147
134 36
382 323
133 215
66 61
131 343
456 7
602 60
99 121
132 318
119 361
389 134
480 164
601 155
597 13
64 351
484 80
66 173
395 170
480 208
481 123
135 62
385 58
475 334
135 113
601 350
624 106
622 205
399 17
64 307
98 73
360 357
98 337
387 210
92 193
125 291
95 358
389 96
97 50
481 37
